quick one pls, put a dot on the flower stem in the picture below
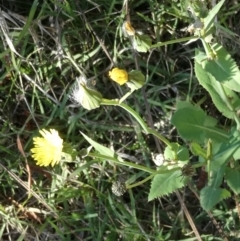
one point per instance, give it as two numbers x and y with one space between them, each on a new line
138 118
124 163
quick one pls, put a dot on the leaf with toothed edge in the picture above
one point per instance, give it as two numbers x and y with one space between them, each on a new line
166 183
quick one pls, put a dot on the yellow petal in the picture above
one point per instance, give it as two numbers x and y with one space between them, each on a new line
47 150
119 75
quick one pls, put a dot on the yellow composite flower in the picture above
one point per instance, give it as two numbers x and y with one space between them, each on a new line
119 75
47 150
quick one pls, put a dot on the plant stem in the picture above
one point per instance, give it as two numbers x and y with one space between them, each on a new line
174 41
138 118
124 163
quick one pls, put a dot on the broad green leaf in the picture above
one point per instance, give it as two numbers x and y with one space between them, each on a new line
87 97
222 153
210 196
91 100
217 91
136 80
184 104
182 153
217 177
236 134
142 43
176 152
137 76
233 179
190 123
209 120
211 15
223 68
164 184
102 149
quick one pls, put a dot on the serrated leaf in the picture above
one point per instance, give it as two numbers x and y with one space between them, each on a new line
102 149
190 123
163 184
223 68
218 92
210 196
233 179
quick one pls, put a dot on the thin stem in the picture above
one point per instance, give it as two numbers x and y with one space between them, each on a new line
138 118
159 136
174 41
124 163
141 182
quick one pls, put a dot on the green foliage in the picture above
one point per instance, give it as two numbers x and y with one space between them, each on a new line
210 196
223 152
176 152
197 150
194 125
233 178
102 149
142 43
219 93
223 68
44 50
209 19
163 184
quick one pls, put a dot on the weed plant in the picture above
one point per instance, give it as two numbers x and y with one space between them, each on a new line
119 120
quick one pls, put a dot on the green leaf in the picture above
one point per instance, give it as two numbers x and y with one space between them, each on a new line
92 99
218 92
197 150
233 179
183 104
210 196
163 184
236 134
191 125
142 43
211 15
222 153
223 68
176 152
217 177
102 149
136 80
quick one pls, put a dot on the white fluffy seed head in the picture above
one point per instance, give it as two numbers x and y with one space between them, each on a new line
77 92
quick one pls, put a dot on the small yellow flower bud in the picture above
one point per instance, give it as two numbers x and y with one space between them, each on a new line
128 29
119 75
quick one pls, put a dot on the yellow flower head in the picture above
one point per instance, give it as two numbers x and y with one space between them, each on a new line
47 149
119 75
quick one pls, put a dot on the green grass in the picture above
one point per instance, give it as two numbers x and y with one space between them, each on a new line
47 44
